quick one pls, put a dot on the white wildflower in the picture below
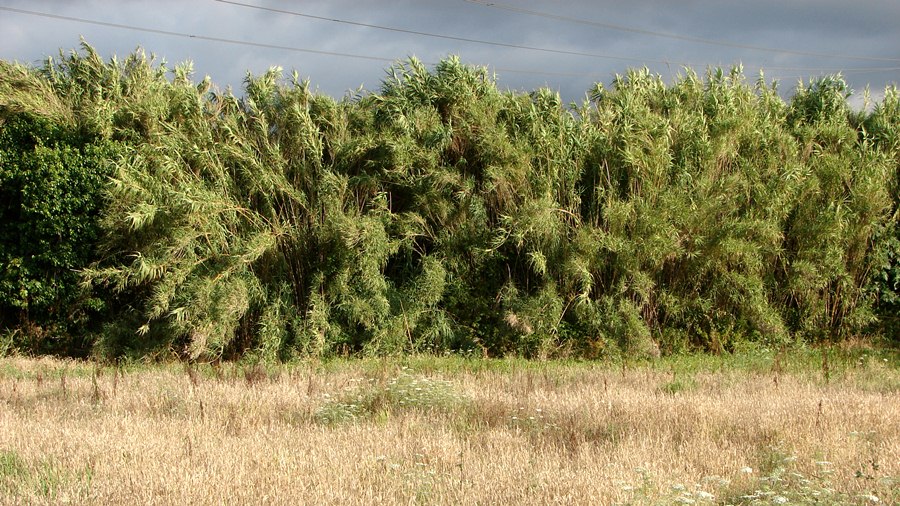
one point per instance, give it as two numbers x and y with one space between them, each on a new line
705 496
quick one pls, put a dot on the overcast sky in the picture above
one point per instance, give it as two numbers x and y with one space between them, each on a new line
566 46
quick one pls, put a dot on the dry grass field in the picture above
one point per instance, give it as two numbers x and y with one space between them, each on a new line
755 429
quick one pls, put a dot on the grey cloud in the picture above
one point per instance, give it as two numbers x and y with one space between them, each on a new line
824 26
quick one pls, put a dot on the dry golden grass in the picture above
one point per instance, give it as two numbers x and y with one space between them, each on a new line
446 432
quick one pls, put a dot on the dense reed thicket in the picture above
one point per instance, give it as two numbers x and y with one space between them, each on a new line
439 213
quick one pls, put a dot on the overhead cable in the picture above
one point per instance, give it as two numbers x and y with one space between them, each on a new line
688 38
451 37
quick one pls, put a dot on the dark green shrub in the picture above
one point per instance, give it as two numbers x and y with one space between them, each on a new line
51 182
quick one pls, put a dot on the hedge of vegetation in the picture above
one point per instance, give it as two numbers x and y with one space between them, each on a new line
144 214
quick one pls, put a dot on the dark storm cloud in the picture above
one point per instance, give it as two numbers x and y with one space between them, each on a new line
829 27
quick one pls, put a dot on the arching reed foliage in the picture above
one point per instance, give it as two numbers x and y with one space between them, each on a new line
441 213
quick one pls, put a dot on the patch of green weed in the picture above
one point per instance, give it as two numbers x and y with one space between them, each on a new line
404 392
678 385
43 479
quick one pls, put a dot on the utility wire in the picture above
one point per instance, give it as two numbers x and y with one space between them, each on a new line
532 48
193 36
597 24
851 70
450 37
266 45
352 55
260 44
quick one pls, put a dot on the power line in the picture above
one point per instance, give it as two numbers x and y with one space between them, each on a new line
258 44
675 36
532 48
360 56
850 70
196 37
824 70
450 37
